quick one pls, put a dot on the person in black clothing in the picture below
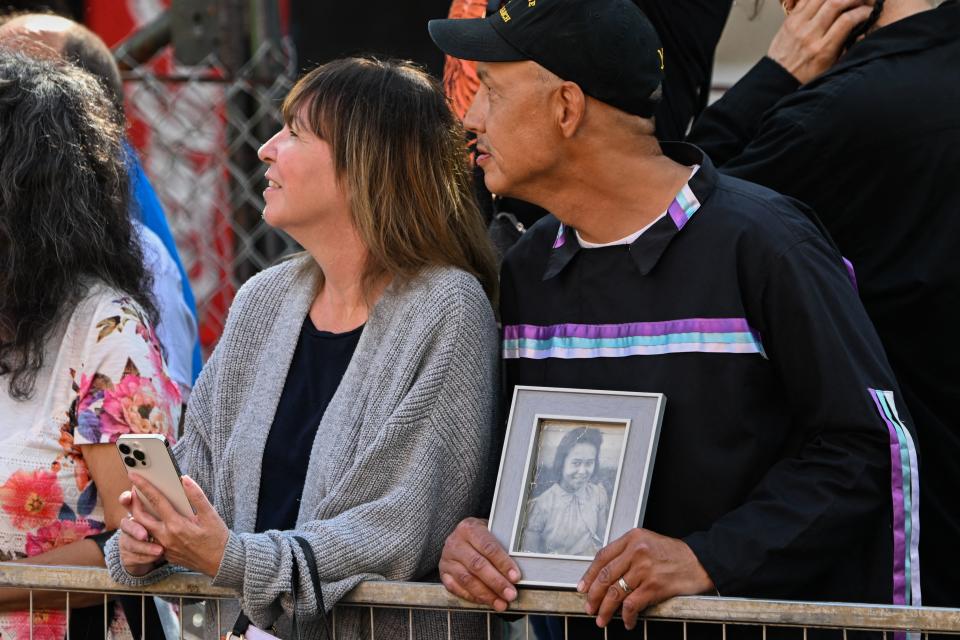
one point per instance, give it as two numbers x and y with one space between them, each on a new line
775 475
324 31
689 31
872 142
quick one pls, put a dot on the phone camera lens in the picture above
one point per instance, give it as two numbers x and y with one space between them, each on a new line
139 455
130 461
124 449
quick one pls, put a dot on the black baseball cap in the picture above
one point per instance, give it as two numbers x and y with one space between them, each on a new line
608 47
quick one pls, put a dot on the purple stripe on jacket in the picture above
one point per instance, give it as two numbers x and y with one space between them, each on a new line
686 325
896 488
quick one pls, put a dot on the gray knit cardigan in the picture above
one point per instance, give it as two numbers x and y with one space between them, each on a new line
398 458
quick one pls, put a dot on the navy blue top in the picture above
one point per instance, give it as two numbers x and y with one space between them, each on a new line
318 365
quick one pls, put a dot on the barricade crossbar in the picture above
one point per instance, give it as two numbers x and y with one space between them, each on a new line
417 595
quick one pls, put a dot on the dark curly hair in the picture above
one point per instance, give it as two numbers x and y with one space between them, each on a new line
64 208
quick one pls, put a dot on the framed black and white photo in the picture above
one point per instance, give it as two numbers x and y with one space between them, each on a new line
574 475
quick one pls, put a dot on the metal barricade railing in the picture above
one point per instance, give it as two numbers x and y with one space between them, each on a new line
718 611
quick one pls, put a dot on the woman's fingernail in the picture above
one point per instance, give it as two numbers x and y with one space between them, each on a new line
510 594
580 586
514 575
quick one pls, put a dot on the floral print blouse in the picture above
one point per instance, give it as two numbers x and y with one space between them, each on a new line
103 376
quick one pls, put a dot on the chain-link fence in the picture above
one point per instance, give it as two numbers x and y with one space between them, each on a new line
197 129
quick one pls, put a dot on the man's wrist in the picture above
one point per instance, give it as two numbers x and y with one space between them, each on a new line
776 72
704 571
700 581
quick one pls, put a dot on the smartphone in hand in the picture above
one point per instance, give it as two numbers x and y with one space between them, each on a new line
150 456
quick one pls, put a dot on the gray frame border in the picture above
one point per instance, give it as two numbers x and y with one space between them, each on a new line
643 412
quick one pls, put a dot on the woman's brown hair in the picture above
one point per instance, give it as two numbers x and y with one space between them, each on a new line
400 154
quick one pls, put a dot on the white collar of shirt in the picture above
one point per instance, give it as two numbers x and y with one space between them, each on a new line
633 236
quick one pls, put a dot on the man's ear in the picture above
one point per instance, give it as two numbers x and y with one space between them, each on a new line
571 105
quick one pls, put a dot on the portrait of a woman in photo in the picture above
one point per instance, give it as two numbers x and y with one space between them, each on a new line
570 517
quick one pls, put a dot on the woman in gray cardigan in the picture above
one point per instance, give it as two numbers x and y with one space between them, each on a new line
361 372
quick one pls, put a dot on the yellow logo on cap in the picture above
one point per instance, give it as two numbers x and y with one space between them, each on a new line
504 14
660 51
531 3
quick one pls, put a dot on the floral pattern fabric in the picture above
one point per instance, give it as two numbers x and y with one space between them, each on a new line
103 376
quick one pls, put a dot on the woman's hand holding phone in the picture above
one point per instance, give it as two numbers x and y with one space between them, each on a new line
196 542
138 554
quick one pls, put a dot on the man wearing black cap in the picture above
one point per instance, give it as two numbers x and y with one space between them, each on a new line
786 466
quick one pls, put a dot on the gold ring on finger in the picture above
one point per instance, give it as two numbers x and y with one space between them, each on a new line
623 585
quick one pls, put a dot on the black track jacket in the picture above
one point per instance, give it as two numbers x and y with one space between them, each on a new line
873 145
